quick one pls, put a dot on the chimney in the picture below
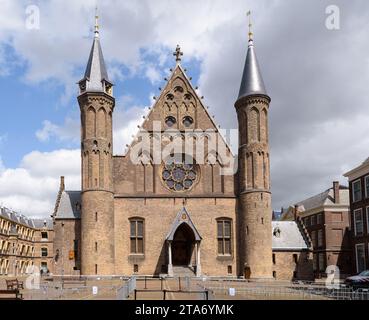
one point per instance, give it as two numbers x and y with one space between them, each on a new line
295 212
336 191
62 185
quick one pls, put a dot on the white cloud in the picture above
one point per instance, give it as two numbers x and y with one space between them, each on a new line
32 187
2 167
69 131
153 74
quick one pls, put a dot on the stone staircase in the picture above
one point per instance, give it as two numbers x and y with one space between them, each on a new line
183 271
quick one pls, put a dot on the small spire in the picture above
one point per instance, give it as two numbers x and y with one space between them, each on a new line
96 77
250 27
252 81
96 23
178 54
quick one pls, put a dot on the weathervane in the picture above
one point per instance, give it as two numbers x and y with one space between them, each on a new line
178 54
96 22
250 25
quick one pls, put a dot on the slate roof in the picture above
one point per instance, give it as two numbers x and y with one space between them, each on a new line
23 220
289 236
252 81
70 205
96 69
325 198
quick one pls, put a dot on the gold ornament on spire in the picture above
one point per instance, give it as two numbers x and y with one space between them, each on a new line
250 25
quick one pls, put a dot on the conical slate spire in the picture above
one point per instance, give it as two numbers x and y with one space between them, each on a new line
96 73
252 82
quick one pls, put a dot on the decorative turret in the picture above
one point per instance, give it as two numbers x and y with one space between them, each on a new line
97 215
254 195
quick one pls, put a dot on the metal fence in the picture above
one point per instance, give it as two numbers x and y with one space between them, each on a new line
280 291
126 290
59 291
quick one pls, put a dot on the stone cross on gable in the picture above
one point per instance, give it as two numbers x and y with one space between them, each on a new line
178 54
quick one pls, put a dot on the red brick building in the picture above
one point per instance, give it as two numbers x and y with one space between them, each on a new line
327 220
359 205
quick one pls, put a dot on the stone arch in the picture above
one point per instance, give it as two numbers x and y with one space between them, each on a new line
254 124
264 125
179 82
101 123
90 123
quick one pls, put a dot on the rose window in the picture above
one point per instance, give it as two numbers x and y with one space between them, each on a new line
179 176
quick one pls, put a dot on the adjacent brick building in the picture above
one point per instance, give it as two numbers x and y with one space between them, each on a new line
359 204
326 217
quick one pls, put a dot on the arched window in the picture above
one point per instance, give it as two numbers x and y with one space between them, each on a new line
137 235
224 236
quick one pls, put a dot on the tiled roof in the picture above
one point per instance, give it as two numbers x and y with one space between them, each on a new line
287 236
324 198
70 205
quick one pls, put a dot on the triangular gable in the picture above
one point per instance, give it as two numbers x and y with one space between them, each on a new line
177 103
183 217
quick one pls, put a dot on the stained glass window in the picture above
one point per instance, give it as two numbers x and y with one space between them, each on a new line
179 176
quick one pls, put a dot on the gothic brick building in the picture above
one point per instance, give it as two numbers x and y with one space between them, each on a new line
149 215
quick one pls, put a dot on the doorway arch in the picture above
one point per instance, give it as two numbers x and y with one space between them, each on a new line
182 245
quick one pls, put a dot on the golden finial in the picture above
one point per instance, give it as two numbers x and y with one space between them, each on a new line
250 25
96 22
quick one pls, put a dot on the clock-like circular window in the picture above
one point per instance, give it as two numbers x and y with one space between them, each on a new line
179 176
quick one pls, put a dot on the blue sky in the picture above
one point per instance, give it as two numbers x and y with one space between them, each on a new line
27 105
317 79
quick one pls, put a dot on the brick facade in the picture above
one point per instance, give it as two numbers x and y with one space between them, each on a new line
359 215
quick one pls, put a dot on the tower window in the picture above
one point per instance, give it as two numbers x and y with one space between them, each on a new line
75 247
95 246
137 235
224 237
274 274
135 268
96 216
273 257
44 235
95 268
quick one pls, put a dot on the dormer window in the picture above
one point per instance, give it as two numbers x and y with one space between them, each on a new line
277 232
108 88
78 206
82 86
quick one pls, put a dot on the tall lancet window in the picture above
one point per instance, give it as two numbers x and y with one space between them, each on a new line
137 235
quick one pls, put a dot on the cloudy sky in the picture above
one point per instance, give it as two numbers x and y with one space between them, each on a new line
317 78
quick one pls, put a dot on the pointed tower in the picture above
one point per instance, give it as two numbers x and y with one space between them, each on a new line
254 196
96 103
